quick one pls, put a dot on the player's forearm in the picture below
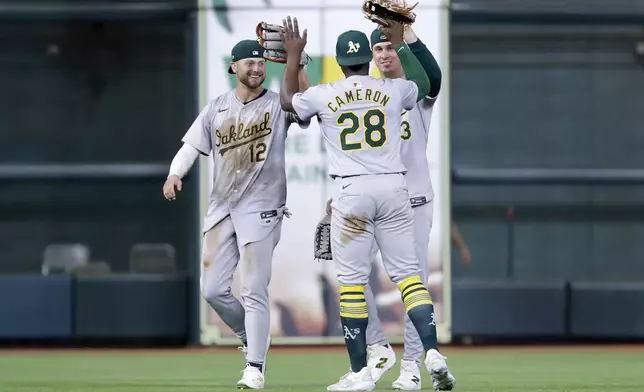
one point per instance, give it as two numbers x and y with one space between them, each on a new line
429 64
413 70
183 161
291 84
457 238
304 81
409 35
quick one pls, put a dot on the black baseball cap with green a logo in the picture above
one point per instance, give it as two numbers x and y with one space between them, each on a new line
378 36
352 48
245 49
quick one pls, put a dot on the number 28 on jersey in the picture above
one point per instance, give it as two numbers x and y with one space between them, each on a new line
373 125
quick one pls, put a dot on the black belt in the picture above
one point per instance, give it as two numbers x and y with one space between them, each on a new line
418 201
334 176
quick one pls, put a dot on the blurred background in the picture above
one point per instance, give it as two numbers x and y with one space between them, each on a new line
541 140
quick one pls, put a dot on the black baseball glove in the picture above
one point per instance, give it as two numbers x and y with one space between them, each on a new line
322 240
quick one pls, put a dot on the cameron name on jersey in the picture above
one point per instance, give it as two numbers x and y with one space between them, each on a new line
358 95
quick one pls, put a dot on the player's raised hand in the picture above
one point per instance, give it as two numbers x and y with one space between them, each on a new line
293 42
394 32
173 182
409 35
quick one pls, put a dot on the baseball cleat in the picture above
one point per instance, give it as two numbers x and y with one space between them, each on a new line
379 360
252 378
442 379
360 381
409 379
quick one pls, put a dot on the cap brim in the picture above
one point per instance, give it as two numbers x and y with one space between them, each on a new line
379 42
357 60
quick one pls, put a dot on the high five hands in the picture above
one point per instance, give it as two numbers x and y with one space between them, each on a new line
293 42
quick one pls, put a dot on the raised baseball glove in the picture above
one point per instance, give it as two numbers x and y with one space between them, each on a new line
383 11
268 35
322 240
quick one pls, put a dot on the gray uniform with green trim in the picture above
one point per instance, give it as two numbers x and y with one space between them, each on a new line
246 207
360 119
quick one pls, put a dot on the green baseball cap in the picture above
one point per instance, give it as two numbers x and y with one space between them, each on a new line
245 49
352 48
378 36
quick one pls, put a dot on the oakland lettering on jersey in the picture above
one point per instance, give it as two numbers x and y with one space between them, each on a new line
358 95
239 135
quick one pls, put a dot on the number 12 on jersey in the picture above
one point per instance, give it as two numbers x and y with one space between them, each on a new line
258 152
373 123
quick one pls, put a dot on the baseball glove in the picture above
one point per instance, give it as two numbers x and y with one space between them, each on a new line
382 11
322 240
268 35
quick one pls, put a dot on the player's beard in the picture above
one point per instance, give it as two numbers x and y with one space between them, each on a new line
389 66
253 80
385 68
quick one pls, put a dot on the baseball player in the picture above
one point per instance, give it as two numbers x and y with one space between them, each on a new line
245 129
414 136
381 356
360 121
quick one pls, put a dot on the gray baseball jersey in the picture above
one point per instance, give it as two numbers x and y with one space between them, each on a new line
247 201
415 136
359 118
361 125
247 141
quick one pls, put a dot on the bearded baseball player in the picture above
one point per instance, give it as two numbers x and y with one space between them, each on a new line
360 119
415 130
245 130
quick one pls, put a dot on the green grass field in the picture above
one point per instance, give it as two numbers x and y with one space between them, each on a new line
476 370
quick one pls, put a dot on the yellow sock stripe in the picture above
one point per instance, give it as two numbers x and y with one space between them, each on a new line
362 304
357 309
360 307
353 310
417 298
414 293
352 296
411 289
413 302
354 316
351 289
409 284
356 313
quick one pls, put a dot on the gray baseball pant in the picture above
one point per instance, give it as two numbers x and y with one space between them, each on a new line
413 347
220 257
368 211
